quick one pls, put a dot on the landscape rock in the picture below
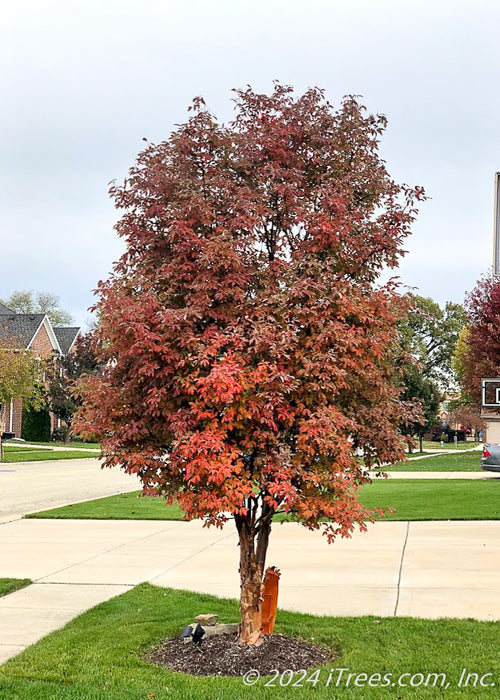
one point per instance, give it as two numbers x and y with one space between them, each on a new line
218 630
207 620
215 630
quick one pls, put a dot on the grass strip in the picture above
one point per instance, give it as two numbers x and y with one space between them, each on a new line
432 445
411 499
69 445
98 655
9 585
466 462
22 448
44 455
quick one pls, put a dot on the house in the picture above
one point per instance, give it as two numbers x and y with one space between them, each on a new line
33 332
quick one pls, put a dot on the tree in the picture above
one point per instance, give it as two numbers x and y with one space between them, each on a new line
467 416
36 424
25 302
478 351
417 388
63 375
20 373
249 349
430 334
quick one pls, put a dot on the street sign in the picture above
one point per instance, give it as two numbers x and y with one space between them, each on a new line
491 393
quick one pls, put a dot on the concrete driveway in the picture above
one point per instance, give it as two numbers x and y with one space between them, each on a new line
29 486
420 569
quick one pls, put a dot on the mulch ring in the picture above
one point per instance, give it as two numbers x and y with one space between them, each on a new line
223 655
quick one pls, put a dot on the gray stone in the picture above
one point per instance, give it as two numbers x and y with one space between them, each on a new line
218 630
207 620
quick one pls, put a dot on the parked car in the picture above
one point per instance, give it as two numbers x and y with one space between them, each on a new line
490 460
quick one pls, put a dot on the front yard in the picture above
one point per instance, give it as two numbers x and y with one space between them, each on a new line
98 656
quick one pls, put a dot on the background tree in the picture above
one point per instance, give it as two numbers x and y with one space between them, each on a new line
249 351
36 424
427 394
478 351
20 374
26 302
430 334
469 417
62 376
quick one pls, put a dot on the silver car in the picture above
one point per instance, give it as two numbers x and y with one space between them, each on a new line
490 460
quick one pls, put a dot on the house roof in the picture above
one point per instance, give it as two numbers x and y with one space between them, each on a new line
66 336
20 327
5 309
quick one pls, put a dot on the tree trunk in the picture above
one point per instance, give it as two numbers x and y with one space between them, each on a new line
252 562
67 435
421 437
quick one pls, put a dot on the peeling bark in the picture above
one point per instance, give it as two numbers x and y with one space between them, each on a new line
252 562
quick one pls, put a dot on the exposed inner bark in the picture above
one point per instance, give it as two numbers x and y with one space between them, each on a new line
253 542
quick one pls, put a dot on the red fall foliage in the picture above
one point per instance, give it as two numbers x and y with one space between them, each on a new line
250 349
480 352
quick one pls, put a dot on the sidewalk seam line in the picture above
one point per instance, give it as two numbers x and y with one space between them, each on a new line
174 566
96 556
398 588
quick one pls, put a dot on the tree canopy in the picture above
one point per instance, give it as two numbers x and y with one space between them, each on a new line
63 375
249 349
431 333
425 392
27 302
20 375
478 351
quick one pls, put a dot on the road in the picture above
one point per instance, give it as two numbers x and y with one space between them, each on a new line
26 487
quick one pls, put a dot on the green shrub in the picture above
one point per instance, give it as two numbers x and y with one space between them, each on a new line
36 425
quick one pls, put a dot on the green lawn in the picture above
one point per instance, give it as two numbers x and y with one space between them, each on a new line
466 462
431 445
12 454
9 585
97 656
125 506
70 445
412 499
435 499
8 447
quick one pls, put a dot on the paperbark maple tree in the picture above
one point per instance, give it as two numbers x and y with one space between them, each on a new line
250 351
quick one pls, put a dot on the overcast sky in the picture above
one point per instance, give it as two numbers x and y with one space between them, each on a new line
82 83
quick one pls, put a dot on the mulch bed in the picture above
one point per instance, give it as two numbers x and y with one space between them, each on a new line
225 657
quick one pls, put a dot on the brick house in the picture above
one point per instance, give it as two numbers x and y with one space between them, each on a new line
33 332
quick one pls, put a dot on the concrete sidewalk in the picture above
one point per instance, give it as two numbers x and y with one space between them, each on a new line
420 569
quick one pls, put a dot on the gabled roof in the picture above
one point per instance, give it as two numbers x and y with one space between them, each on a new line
5 309
66 336
20 327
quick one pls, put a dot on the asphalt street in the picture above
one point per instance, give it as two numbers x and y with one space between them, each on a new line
26 487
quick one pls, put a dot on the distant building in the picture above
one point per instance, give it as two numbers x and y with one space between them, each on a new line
33 332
